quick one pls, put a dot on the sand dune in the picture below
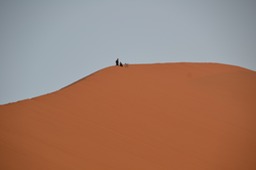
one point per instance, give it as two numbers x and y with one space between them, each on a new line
155 116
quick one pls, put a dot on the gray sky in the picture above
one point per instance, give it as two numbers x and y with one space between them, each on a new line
46 45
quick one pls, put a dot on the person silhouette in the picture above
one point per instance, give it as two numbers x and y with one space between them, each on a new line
117 62
121 64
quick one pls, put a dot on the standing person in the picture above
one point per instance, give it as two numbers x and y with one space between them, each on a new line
117 62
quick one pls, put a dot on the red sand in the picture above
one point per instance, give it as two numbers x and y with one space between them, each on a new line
161 116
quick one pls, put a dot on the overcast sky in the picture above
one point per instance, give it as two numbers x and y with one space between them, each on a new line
48 44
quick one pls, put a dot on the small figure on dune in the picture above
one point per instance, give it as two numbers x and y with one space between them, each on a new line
117 62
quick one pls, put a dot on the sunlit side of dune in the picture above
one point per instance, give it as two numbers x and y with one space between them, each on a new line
155 116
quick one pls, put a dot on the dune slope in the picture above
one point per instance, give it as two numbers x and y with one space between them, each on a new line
156 116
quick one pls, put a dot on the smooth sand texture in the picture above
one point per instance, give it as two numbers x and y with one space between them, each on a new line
179 116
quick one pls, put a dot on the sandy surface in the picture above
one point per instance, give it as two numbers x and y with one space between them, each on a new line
179 116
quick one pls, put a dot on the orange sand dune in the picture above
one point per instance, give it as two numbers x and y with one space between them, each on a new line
180 116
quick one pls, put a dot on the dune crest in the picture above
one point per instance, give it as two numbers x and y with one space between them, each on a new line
152 116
